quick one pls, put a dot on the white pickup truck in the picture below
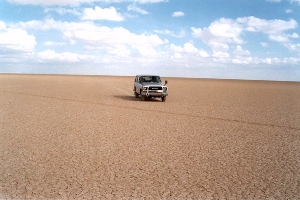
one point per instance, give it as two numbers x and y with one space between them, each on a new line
148 86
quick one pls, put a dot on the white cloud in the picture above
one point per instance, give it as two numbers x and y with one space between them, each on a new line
62 11
190 48
283 38
293 47
181 34
294 36
116 46
264 44
228 31
220 54
50 43
120 50
289 11
295 1
276 1
241 56
271 27
239 51
267 61
203 53
275 29
2 26
77 2
52 55
218 46
102 14
242 60
118 41
39 25
279 38
144 1
16 39
148 51
291 60
137 9
223 30
187 49
103 38
50 2
178 14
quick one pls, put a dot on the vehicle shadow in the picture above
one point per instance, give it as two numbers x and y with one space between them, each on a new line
127 97
132 98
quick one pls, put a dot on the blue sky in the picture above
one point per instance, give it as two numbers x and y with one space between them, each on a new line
257 39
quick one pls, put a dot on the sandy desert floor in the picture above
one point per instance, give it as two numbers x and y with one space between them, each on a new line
88 137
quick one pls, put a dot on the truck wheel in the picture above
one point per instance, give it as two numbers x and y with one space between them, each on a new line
163 99
141 96
136 94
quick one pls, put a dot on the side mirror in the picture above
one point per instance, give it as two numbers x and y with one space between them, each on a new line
166 82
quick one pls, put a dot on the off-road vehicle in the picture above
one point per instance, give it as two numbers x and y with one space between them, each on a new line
150 86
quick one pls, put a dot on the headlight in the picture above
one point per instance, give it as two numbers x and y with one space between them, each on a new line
145 88
165 88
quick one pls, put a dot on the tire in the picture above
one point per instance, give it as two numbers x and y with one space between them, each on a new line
141 96
136 94
163 99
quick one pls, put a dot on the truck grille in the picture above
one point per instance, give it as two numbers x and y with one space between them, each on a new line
155 88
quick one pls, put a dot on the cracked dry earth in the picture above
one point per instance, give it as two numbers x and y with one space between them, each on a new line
87 137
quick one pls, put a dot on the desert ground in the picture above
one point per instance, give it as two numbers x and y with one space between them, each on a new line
88 137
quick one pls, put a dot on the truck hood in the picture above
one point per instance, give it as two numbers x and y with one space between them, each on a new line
152 83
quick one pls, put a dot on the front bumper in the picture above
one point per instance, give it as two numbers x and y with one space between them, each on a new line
151 93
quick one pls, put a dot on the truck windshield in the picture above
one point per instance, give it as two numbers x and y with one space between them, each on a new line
155 79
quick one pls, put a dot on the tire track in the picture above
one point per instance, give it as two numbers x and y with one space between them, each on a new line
149 110
115 87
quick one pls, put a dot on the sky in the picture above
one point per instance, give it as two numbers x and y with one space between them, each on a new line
227 39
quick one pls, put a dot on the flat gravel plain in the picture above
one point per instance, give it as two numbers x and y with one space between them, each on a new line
88 137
